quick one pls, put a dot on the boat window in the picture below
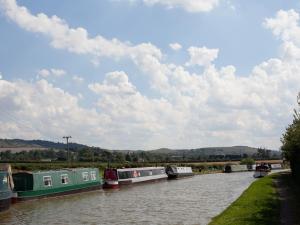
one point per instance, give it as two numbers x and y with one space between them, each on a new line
47 181
85 176
64 178
93 175
125 174
145 173
156 172
3 181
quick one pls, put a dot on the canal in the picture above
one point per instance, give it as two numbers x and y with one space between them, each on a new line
187 201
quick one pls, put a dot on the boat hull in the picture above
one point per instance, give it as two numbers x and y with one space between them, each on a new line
143 179
31 195
259 174
111 184
179 175
5 204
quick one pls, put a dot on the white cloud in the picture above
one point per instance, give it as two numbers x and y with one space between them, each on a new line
175 46
51 72
75 40
77 79
40 110
202 56
192 6
0 75
114 83
95 62
44 73
285 26
214 107
58 72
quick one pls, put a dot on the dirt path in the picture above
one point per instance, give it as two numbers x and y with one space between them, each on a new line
289 213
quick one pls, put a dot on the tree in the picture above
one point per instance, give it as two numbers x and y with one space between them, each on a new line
291 143
261 153
61 155
247 161
128 157
119 157
86 154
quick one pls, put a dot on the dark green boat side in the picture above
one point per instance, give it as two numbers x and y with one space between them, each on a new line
6 186
32 185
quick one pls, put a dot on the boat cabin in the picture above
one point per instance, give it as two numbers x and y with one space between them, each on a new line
42 183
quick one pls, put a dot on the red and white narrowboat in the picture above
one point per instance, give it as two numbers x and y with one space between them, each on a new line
115 177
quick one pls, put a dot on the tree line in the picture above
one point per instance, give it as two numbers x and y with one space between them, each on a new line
93 154
291 143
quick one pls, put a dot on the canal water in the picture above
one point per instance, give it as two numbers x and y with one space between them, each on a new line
192 200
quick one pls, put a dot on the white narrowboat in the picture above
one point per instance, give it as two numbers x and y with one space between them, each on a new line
175 172
115 177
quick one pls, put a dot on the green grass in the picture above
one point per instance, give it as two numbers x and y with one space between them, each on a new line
259 204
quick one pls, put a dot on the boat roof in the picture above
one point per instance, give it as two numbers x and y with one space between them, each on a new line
180 166
139 168
54 171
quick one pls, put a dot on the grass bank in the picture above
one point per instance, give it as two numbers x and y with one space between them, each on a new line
259 204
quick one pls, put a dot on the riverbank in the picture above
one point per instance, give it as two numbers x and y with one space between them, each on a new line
274 199
259 204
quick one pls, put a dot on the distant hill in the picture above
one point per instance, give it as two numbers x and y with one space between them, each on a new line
26 145
35 144
211 151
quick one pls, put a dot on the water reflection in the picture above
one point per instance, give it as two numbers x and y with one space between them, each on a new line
188 201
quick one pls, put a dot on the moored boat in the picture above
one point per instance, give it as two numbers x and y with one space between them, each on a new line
115 177
6 186
261 170
40 184
174 172
235 168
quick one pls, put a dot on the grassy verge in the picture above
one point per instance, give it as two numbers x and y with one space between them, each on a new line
259 204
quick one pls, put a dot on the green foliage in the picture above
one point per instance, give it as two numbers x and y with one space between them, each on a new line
247 161
259 204
291 143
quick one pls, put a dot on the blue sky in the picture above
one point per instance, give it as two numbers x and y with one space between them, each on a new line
145 94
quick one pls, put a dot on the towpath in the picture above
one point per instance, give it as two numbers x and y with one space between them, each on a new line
289 211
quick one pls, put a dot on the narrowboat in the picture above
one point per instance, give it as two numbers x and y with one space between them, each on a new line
40 184
6 187
261 170
235 168
276 166
175 172
115 177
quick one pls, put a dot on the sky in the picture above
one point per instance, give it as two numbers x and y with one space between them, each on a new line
146 74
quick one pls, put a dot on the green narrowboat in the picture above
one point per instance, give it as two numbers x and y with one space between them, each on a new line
6 186
40 184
